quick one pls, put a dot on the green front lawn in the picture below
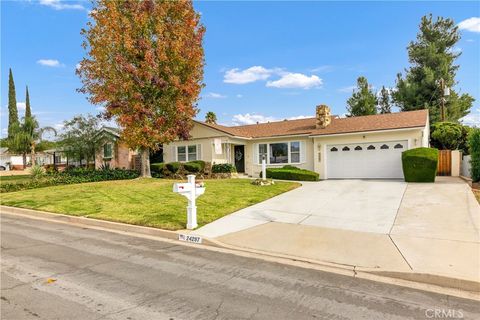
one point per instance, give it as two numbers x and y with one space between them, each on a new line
146 202
15 178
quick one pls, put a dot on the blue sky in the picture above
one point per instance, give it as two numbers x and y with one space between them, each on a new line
264 60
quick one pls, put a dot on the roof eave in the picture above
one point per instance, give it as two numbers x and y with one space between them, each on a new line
366 131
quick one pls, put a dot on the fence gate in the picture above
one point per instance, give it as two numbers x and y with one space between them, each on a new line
444 167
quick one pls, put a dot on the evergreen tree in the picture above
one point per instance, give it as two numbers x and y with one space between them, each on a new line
432 58
384 101
12 106
211 117
28 110
363 101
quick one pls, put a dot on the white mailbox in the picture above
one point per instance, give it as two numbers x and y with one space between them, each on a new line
191 191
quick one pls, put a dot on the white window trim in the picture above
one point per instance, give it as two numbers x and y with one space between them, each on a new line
186 152
289 153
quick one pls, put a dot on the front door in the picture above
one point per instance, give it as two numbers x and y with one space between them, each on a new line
239 152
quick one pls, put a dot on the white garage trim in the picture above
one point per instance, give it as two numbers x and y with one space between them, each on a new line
374 160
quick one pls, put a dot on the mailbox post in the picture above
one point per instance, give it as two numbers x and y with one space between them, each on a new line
264 168
191 191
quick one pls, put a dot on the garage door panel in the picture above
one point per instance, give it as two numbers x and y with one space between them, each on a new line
366 160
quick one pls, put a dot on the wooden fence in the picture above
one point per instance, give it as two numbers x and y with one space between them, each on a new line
444 167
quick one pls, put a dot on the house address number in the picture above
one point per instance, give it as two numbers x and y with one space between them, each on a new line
188 238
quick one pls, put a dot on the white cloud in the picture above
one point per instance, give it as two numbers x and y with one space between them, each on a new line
242 119
59 5
325 68
470 40
471 24
249 75
296 80
455 50
348 89
253 118
239 96
20 106
49 62
214 95
473 119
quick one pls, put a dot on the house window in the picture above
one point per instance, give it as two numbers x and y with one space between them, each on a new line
398 146
334 149
357 148
186 153
181 153
58 158
279 153
192 153
262 152
107 151
370 147
384 147
346 149
295 152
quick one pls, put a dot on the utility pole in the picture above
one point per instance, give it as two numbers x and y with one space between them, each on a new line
445 93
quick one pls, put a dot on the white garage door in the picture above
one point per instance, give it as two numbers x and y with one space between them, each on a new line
366 160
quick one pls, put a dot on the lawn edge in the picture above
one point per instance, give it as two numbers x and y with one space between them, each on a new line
444 285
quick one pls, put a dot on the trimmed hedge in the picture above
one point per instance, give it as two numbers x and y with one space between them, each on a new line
199 162
157 167
420 164
71 176
474 146
192 167
173 167
292 173
223 168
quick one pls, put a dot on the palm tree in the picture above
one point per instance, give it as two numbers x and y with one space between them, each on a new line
211 117
26 137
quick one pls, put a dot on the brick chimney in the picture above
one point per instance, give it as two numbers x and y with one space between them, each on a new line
323 117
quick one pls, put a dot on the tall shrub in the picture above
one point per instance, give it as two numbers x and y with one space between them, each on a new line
474 145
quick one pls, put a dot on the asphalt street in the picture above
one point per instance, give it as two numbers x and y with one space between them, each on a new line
59 271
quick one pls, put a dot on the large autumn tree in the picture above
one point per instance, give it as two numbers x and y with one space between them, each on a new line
144 64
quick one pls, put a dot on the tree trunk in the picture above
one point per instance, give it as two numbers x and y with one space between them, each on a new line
145 163
32 155
24 157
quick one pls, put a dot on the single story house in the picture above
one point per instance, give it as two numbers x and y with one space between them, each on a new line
352 147
113 151
13 161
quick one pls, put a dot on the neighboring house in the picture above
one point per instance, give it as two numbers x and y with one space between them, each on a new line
48 157
113 151
355 147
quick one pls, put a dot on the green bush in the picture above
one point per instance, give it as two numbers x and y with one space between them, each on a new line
37 172
447 135
290 167
292 174
192 167
474 146
173 167
71 176
223 168
157 167
199 162
420 164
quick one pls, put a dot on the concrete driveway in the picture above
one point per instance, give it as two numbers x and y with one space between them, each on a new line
356 205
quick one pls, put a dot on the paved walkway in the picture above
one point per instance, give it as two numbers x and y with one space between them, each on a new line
380 225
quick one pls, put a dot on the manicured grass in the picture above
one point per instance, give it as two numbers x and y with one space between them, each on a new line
146 202
14 178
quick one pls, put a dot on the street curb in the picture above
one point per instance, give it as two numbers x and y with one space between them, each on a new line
426 282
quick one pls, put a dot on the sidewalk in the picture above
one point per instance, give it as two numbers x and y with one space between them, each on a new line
435 233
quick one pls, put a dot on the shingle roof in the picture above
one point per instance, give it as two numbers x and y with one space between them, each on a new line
389 121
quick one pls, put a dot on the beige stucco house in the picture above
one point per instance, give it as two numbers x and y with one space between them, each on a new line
355 147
